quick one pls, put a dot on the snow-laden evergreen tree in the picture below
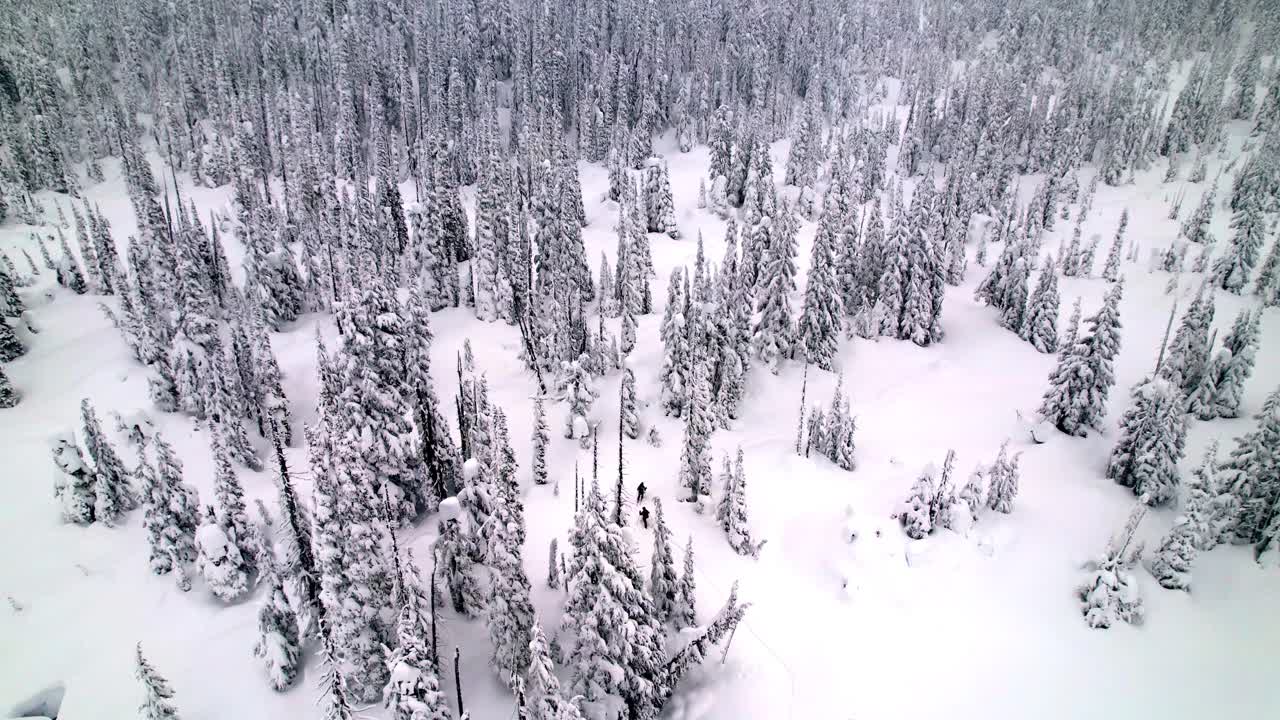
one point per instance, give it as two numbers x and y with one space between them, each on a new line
630 414
11 304
1151 443
269 396
1002 478
349 535
230 512
1242 344
509 608
916 516
1013 314
279 644
368 381
1248 74
1078 387
1208 504
662 567
1267 285
553 566
68 271
773 333
613 634
10 346
542 687
819 326
1171 564
1110 594
579 395
1071 257
732 335
455 561
661 209
1233 267
172 512
685 613
1111 268
1088 255
731 511
219 562
223 408
336 704
413 690
1188 354
1200 401
917 290
540 440
1196 228
1252 475
9 397
1040 326
609 305
113 493
75 486
695 460
156 703
831 432
802 163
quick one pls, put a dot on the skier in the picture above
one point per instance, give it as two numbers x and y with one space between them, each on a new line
640 492
644 517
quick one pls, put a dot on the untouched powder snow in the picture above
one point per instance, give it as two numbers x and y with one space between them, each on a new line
848 618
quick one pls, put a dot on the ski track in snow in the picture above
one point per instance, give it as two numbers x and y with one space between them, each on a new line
983 626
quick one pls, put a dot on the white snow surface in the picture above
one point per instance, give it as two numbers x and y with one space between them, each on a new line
979 626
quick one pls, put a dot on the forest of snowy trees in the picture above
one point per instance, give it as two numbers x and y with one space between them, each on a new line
389 160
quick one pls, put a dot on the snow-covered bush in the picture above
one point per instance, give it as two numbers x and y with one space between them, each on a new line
219 562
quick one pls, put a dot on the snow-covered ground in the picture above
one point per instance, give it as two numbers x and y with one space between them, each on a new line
979 626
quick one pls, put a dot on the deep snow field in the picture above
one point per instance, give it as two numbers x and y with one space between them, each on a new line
983 625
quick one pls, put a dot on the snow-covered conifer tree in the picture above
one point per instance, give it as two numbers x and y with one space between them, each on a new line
773 333
155 705
1040 327
675 360
630 414
1250 473
455 562
219 561
1078 386
614 634
76 482
1171 565
172 512
509 609
731 511
662 568
1188 353
1233 267
685 613
113 494
553 566
231 514
1110 594
540 440
10 346
695 461
819 327
1242 344
1014 312
1003 480
1153 435
541 685
278 644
